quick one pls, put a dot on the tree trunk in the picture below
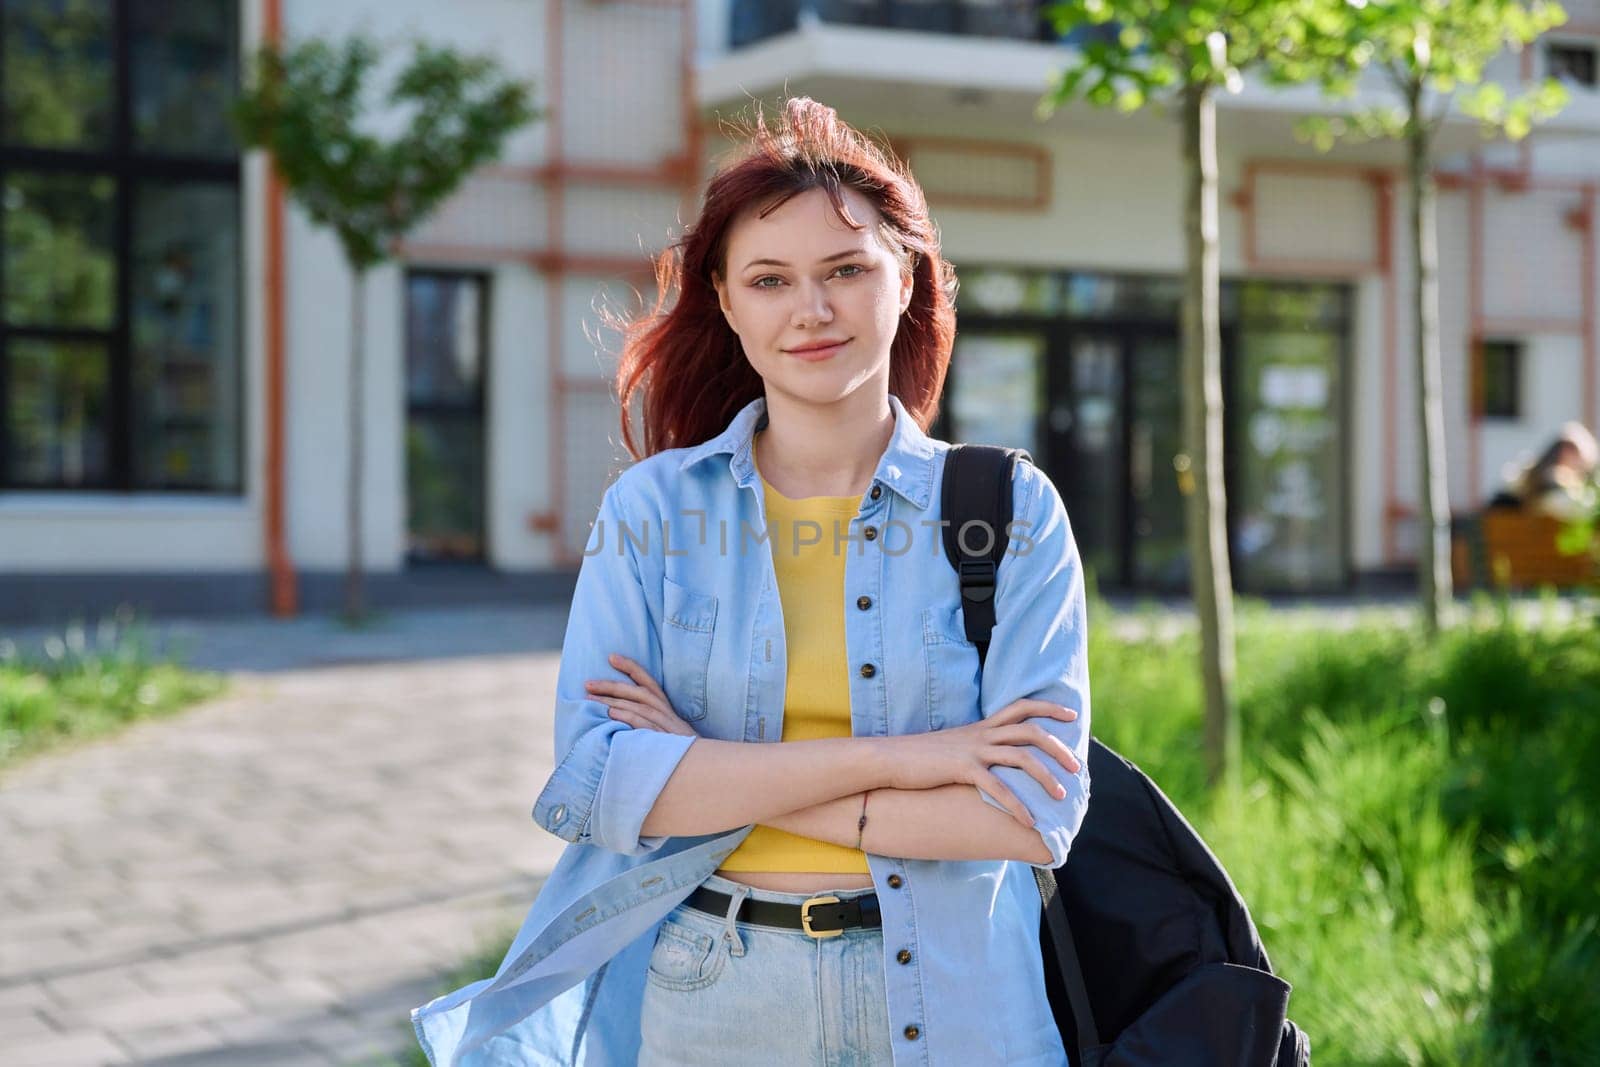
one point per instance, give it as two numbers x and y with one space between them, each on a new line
1210 575
355 606
1433 496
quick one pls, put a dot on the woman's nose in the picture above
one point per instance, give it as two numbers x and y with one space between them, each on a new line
812 307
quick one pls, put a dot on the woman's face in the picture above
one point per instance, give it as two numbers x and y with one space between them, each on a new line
815 303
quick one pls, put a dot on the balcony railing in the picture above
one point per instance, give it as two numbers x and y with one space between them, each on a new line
756 20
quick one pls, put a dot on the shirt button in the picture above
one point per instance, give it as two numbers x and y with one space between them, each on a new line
868 670
877 491
870 533
895 882
904 955
863 602
558 815
912 1032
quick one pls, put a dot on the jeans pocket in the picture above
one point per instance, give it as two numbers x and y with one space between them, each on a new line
684 958
950 666
691 623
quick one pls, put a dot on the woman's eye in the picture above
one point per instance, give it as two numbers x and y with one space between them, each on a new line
854 268
760 283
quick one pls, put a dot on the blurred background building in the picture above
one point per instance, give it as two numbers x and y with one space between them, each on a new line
173 335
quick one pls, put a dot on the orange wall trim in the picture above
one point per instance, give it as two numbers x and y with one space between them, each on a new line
283 593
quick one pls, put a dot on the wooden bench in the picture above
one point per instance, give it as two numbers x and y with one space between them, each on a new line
1519 550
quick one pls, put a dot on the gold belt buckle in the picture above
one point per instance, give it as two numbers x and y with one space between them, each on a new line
805 917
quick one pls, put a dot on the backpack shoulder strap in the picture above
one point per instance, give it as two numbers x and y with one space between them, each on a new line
977 514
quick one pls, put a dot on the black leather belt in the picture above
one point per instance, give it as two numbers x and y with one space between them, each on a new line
821 916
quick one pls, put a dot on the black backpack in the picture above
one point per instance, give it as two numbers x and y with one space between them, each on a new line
1150 956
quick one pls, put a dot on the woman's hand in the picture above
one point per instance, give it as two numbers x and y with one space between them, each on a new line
965 754
642 705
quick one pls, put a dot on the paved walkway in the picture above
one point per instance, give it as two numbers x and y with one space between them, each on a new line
279 876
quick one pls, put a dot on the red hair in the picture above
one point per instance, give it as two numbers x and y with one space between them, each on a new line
686 363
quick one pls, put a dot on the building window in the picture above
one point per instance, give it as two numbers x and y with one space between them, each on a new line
120 364
1572 62
1500 379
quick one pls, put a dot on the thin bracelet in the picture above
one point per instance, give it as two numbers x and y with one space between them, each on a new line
861 824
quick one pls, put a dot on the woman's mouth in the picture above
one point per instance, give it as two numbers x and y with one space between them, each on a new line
812 355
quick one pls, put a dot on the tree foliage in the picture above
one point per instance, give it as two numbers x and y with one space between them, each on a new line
1160 45
1439 52
309 105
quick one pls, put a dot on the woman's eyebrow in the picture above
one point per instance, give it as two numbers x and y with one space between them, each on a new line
825 259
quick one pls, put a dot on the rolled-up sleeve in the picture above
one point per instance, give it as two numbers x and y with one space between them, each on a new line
1039 650
608 774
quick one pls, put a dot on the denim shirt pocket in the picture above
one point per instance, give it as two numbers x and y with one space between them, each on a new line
691 622
950 665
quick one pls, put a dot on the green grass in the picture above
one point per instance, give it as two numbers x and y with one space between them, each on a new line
1416 829
83 685
1417 832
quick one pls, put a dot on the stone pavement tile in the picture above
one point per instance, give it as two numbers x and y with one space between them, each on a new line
178 1039
25 1024
300 992
86 1049
143 1009
223 968
73 990
343 1039
40 922
24 955
274 1052
23 997
146 936
258 1026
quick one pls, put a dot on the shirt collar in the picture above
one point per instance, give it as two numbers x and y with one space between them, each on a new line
906 465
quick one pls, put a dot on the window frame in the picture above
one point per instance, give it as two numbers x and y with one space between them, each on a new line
128 167
1517 350
1574 42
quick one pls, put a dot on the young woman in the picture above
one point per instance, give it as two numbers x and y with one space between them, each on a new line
800 816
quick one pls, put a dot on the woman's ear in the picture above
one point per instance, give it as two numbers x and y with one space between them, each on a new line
907 288
720 284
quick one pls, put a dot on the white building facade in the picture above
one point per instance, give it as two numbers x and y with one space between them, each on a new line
175 331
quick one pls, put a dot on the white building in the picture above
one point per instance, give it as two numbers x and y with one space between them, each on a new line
173 334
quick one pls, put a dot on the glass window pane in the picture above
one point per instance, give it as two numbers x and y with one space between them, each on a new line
1155 439
58 405
185 75
444 333
58 67
997 389
58 235
444 486
1093 422
187 426
1289 484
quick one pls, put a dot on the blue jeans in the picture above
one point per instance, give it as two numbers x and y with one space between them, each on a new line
720 992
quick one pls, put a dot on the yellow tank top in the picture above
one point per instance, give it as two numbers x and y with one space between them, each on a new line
816 699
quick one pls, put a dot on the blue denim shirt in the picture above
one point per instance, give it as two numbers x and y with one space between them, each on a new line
678 577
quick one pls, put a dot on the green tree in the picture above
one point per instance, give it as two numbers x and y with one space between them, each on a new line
1181 53
1430 56
307 105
